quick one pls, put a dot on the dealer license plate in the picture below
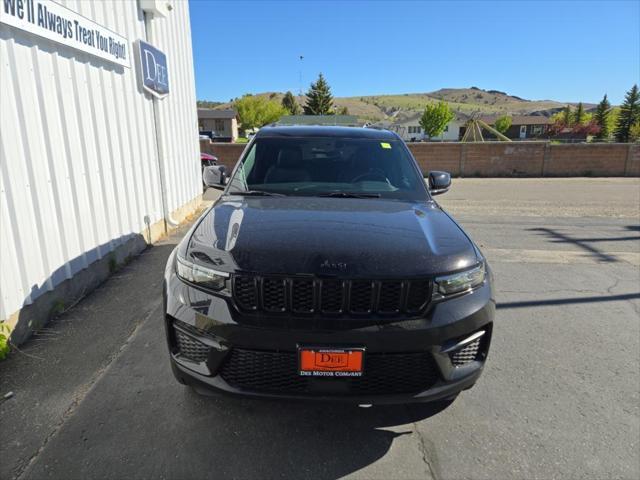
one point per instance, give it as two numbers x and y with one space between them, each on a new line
330 362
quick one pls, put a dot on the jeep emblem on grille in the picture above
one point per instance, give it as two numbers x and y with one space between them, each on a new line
333 265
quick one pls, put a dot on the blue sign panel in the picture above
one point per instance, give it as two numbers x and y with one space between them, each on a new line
155 75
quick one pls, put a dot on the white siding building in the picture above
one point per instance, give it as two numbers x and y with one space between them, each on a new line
410 131
92 165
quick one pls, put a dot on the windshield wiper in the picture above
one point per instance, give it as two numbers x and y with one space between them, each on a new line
349 195
257 193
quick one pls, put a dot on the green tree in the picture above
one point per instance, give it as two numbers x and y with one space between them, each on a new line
289 102
602 117
567 116
255 111
634 133
579 117
629 114
503 124
435 118
319 98
207 104
343 110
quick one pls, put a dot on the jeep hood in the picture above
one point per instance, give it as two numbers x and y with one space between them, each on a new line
366 238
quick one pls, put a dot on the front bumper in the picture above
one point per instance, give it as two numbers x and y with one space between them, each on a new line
213 330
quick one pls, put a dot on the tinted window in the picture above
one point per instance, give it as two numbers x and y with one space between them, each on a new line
322 165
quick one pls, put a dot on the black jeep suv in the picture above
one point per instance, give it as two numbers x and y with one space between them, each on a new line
327 271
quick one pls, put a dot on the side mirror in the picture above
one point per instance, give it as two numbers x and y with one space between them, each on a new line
439 182
214 176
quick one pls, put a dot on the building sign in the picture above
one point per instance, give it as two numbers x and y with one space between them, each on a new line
57 23
154 72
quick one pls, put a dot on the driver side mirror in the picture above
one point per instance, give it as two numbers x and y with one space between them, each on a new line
214 176
439 182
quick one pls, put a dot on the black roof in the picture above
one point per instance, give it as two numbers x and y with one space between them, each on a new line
214 113
326 131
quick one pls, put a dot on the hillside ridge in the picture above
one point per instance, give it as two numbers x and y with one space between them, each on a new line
469 101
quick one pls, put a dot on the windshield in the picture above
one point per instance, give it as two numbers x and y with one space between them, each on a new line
317 166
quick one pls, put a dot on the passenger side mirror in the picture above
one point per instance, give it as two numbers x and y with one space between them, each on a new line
439 182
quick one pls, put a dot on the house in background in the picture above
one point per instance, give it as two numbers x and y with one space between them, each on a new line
337 120
523 127
223 124
409 129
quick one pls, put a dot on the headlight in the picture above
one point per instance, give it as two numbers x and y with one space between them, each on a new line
206 277
461 282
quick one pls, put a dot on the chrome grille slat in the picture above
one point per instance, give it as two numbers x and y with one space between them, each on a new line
467 354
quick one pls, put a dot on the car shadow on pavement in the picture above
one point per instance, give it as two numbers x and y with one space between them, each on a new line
138 422
274 439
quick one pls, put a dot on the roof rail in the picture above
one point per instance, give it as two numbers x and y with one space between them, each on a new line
319 120
375 127
319 124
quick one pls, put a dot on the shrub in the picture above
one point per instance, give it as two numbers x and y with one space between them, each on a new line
5 333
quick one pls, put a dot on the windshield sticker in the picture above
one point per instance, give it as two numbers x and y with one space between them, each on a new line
385 145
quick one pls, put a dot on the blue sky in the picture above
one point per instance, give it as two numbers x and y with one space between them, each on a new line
567 51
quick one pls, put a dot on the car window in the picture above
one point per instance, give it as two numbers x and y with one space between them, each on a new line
327 165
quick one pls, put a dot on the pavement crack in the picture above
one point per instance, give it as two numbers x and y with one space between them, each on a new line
82 392
615 284
424 451
425 454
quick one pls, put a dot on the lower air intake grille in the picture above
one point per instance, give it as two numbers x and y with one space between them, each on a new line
467 354
191 348
277 372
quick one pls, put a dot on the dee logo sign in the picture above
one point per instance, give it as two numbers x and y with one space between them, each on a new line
154 71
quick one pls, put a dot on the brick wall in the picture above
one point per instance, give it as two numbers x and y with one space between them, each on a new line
583 159
227 153
498 159
633 162
437 156
503 159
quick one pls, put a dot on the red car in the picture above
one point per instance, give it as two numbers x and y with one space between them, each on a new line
208 160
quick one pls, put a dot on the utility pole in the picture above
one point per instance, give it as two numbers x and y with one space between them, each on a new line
300 75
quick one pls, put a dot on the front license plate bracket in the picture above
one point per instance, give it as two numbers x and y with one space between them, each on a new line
330 362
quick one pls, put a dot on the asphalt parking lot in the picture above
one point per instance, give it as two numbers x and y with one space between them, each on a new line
560 397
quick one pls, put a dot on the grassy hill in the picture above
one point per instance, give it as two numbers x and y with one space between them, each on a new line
466 100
